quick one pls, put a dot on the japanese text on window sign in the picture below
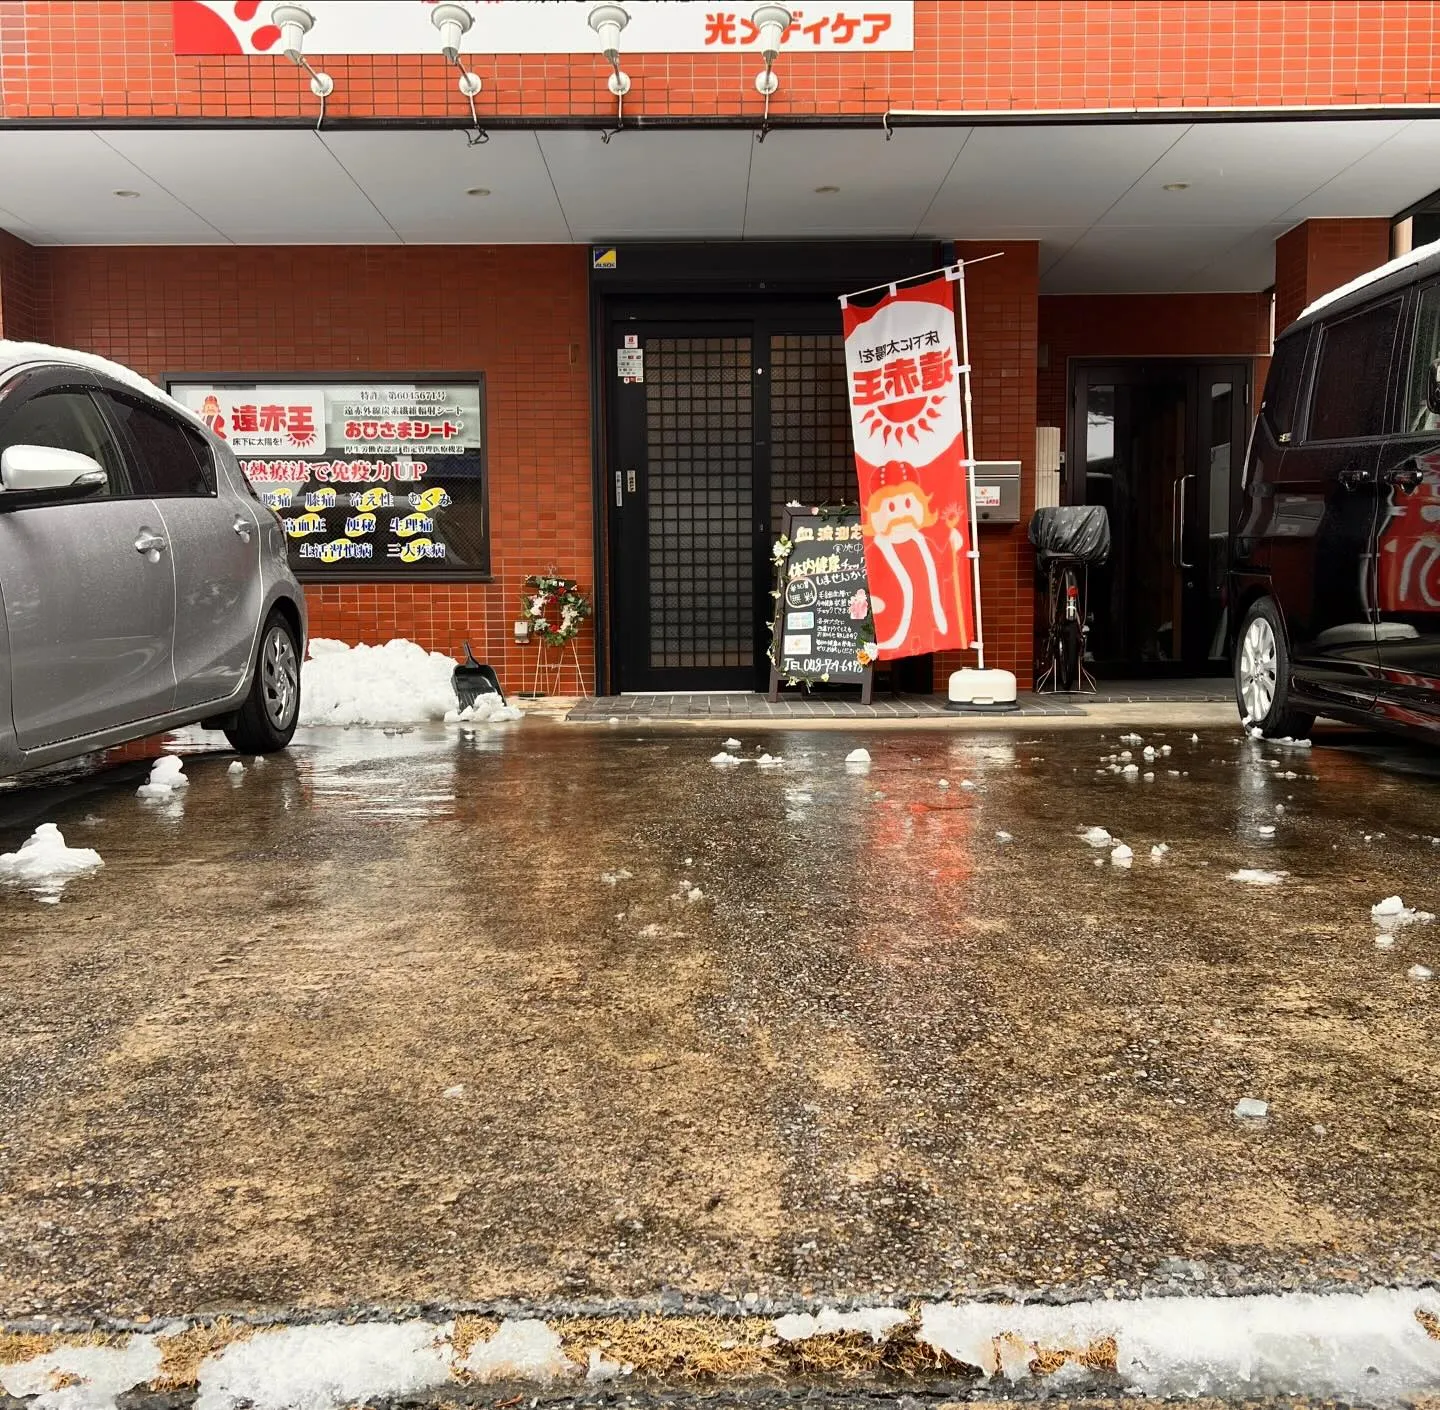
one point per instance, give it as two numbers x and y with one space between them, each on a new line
732 29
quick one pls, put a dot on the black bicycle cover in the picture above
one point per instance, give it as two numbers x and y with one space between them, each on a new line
1072 530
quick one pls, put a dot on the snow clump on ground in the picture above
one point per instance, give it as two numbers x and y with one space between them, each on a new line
1392 913
45 864
399 683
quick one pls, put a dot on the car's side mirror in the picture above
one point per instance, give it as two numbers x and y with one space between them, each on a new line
33 472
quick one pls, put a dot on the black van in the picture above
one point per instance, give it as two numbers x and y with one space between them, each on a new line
1335 562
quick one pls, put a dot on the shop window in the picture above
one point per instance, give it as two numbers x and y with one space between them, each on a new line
1352 374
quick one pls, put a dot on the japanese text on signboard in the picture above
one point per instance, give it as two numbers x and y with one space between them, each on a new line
365 477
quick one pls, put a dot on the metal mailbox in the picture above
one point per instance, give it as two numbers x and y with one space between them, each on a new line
997 491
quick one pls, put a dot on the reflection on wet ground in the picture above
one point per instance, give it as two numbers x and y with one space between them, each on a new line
425 1015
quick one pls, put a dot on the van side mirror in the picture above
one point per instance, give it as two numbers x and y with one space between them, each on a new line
34 472
1432 388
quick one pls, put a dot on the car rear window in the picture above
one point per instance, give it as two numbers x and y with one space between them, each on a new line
1352 375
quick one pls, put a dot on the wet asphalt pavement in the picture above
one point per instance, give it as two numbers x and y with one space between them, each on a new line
367 1026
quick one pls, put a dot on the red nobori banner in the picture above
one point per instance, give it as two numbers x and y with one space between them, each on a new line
905 409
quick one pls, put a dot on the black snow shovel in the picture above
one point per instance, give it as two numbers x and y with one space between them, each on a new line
472 680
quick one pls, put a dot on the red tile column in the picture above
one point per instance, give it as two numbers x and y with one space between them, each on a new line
1320 255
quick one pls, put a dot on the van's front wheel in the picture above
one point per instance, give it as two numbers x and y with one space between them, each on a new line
266 721
1262 674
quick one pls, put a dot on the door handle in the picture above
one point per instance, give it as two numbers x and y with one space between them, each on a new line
1351 479
242 527
1177 525
1407 476
150 543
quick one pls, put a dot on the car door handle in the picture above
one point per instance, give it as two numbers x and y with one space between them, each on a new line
1406 476
1351 479
150 543
242 527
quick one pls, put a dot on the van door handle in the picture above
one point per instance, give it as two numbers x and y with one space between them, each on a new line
1351 479
150 543
242 527
1407 476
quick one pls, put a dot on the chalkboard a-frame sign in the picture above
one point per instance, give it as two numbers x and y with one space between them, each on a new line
822 603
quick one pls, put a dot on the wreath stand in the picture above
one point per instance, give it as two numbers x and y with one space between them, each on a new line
545 667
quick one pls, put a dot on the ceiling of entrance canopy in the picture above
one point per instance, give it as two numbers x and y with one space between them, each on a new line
1122 207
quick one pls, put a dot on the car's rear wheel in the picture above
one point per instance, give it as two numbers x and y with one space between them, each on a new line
266 721
1262 674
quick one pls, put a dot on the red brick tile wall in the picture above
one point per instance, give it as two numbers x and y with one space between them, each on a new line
1320 255
88 57
519 314
1143 325
21 315
1001 302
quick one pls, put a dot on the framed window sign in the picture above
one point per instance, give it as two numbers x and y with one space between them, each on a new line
371 477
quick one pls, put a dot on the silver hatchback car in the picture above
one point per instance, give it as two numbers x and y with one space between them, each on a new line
144 585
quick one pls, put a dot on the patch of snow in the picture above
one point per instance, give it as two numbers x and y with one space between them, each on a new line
858 756
1366 1347
1004 837
399 683
1096 836
1158 851
45 864
1194 739
524 1349
1122 856
614 878
877 1322
236 768
1266 829
1251 1109
1419 971
943 783
1148 776
1392 913
1165 750
724 759
769 761
1131 739
731 743
1371 276
1125 756
598 1370
101 1374
649 932
324 1367
1132 770
1384 942
1149 754
966 784
693 894
1253 876
167 774
487 710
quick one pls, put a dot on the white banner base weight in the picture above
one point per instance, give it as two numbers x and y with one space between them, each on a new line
982 692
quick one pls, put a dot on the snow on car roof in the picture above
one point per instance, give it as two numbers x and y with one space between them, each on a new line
1416 256
16 354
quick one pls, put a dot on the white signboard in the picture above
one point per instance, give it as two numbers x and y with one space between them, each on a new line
546 27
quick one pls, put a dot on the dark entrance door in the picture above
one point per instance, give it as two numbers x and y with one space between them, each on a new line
1161 444
727 421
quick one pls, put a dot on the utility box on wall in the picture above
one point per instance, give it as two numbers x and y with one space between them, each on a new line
997 491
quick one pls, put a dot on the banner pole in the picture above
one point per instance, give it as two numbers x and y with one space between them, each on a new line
970 467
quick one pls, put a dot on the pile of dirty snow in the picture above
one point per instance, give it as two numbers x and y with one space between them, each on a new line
399 683
44 863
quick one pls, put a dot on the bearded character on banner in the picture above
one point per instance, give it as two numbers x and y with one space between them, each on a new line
906 598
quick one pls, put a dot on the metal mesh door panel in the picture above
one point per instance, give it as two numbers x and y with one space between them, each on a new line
812 458
700 511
